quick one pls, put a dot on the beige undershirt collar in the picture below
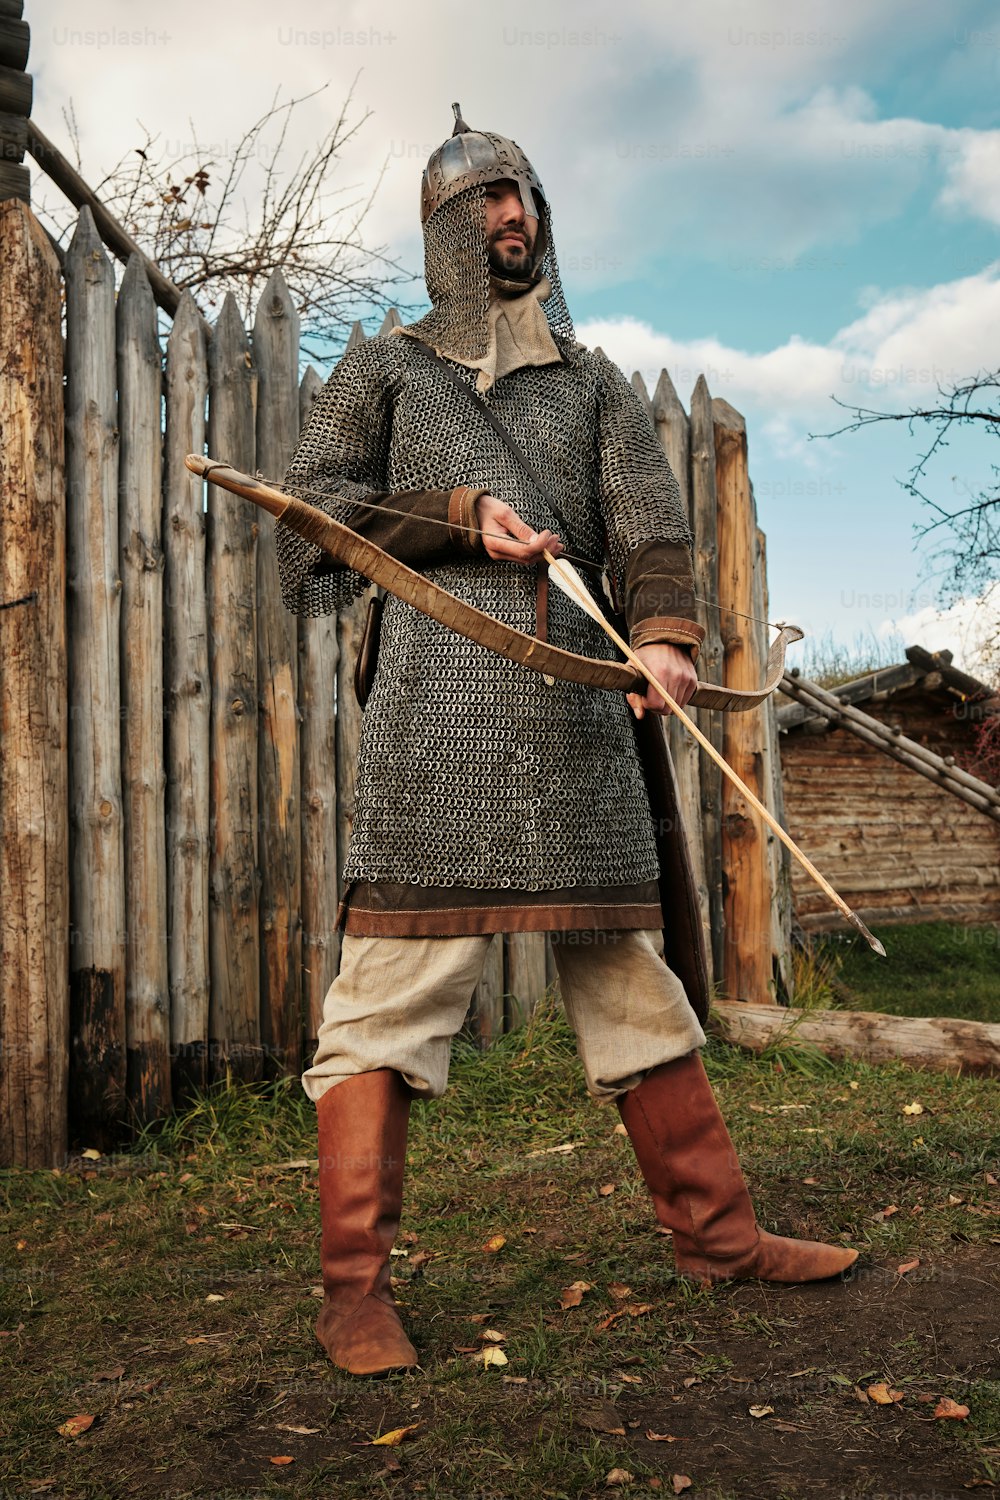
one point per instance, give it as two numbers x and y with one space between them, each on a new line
519 335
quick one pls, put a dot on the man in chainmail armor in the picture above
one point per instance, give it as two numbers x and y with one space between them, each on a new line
490 798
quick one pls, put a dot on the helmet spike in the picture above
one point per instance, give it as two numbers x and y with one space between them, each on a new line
460 126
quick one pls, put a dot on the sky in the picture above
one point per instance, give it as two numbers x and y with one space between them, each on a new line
801 202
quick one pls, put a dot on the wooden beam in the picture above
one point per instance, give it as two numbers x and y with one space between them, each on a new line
747 969
940 1044
115 236
34 826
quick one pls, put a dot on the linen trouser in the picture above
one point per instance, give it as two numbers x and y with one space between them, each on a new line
398 1001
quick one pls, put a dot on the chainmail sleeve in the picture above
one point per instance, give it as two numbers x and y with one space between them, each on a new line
639 495
340 459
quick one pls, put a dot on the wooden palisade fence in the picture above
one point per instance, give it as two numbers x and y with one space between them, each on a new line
177 771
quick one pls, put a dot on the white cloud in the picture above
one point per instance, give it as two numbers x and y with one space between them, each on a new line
968 628
743 129
898 351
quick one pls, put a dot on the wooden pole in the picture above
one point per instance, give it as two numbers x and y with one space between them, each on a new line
938 1043
673 430
34 833
276 354
147 1003
706 584
778 858
350 630
746 971
318 659
232 626
97 880
188 704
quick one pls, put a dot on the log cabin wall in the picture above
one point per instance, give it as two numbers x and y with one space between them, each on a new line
896 847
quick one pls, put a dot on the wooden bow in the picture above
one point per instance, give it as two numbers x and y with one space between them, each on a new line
356 552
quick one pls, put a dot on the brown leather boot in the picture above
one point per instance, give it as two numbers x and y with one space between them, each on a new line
688 1160
363 1123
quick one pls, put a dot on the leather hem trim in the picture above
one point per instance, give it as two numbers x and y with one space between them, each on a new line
465 921
668 630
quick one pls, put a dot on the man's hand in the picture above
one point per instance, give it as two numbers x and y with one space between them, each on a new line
673 666
509 539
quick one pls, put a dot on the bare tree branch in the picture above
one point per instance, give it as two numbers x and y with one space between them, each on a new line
219 226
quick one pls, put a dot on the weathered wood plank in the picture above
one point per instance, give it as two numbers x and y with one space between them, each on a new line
673 431
318 657
34 832
747 951
188 703
779 859
704 520
234 1029
524 976
485 1021
276 355
147 995
97 879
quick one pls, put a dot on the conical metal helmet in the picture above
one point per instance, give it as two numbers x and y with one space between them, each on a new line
470 157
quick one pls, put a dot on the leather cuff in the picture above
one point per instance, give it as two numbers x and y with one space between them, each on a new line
668 630
462 518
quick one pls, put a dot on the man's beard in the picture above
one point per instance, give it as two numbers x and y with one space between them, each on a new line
510 260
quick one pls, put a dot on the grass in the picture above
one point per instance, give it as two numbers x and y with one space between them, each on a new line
108 1269
933 969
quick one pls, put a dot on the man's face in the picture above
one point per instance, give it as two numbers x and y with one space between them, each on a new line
510 232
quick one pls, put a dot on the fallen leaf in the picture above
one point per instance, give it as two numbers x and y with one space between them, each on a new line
600 1416
661 1437
631 1379
906 1267
606 1190
572 1295
926 1397
282 1458
492 1335
946 1407
616 1477
115 1374
690 1380
811 1181
215 1297
556 1150
410 1237
395 1437
494 1243
300 1431
73 1426
888 1212
853 1085
619 1290
993 1182
493 1355
421 1258
681 1482
89 1154
952 1200
882 1395
916 1108
859 1394
761 1411
619 1130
